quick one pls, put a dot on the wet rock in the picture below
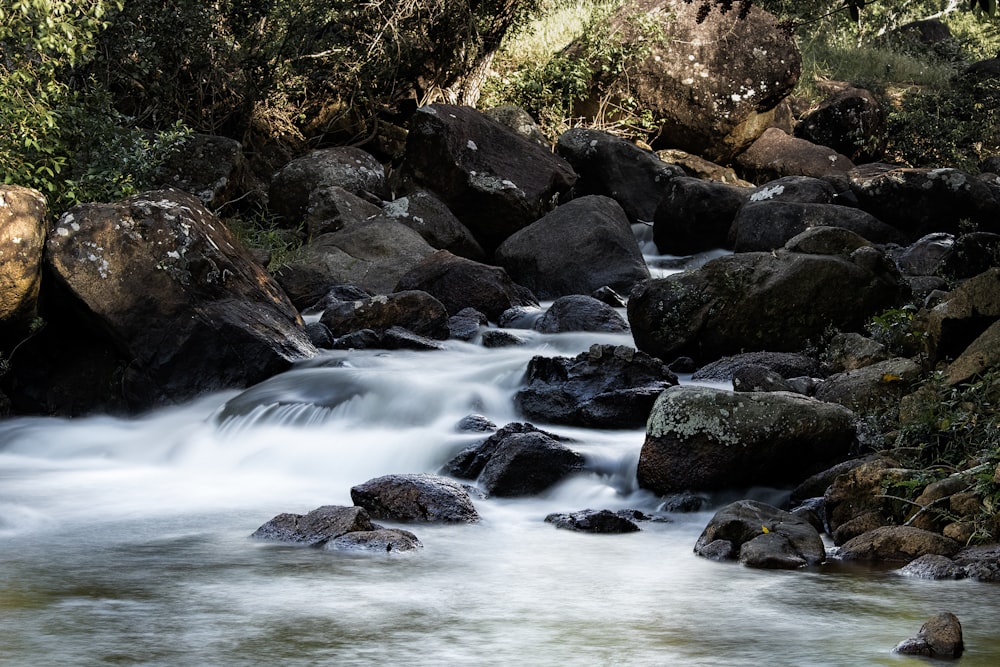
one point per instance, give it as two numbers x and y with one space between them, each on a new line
383 540
616 168
585 244
469 463
608 296
494 181
415 497
579 312
940 637
315 528
695 215
417 311
763 536
889 544
594 521
319 335
475 423
933 566
785 364
776 154
708 439
606 387
494 339
461 283
525 464
400 338
295 186
981 563
795 189
851 122
466 324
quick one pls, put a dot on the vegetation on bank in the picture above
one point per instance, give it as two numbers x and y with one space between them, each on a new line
96 94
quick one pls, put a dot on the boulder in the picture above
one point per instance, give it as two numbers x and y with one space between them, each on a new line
921 201
923 257
520 121
828 241
940 638
761 301
428 216
469 463
873 389
382 540
855 500
759 378
705 101
851 122
298 186
933 566
617 168
212 168
579 312
579 247
526 464
851 351
963 316
207 317
606 387
784 364
982 355
761 536
699 167
591 521
415 497
417 311
981 563
466 324
23 214
461 283
334 208
776 154
895 544
795 189
705 439
768 225
315 528
374 256
696 215
494 180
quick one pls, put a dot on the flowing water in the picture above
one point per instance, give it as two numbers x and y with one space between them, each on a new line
125 541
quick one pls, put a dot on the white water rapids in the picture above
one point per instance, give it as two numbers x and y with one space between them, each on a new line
125 541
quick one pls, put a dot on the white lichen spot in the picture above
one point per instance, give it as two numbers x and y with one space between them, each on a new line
16 240
767 193
397 208
688 81
832 159
593 143
173 254
472 145
736 97
418 220
952 178
62 231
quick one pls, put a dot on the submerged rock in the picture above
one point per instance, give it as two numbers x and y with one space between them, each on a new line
384 540
315 528
591 521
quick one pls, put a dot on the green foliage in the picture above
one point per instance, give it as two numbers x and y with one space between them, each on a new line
260 231
894 328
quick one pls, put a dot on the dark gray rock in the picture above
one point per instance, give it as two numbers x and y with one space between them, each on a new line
591 521
768 225
315 528
851 122
415 310
797 189
469 463
933 566
415 497
428 216
526 464
579 312
383 540
606 387
785 364
579 247
762 535
776 154
696 215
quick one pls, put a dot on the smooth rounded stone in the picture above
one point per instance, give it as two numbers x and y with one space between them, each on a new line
769 225
494 339
466 324
923 257
700 438
400 338
415 497
933 566
849 351
744 521
477 423
526 464
758 378
585 244
469 463
461 283
593 521
382 540
414 310
520 317
579 312
776 153
799 189
940 637
696 215
614 167
682 503
319 335
317 527
770 551
607 386
363 339
892 544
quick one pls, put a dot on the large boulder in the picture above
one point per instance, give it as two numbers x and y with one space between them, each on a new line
299 185
415 497
705 439
428 216
614 167
579 247
706 101
494 181
606 387
767 225
177 296
873 389
526 464
851 121
333 208
940 638
921 201
760 536
461 283
966 317
22 237
469 463
761 301
775 154
897 544
579 312
696 215
373 255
